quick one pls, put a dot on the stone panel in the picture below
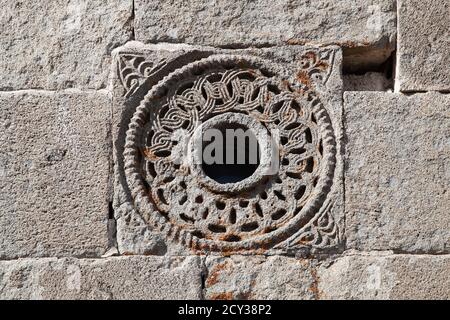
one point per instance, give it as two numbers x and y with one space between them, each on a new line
378 276
397 171
60 44
153 278
260 278
423 45
300 73
351 24
54 169
245 23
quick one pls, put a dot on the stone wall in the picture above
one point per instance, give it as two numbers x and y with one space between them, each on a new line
94 95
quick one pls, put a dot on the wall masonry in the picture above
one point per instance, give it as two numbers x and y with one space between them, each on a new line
105 189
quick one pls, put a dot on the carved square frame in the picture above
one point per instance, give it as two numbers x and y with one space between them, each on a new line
141 70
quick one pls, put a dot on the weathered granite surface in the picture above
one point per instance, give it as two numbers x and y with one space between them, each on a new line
423 45
60 44
385 276
316 69
397 171
54 170
153 278
379 275
260 277
355 25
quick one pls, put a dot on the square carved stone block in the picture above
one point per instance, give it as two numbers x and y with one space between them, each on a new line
170 199
362 27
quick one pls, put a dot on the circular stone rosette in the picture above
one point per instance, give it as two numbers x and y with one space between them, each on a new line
171 190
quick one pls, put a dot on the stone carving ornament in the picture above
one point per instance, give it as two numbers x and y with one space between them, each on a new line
261 210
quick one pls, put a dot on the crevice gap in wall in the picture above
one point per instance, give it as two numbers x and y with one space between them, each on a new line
395 72
133 20
110 211
112 227
204 276
411 93
241 46
369 76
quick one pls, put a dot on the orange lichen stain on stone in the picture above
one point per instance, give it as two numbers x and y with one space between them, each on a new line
149 154
314 287
295 42
262 250
226 253
311 55
252 72
268 230
303 241
213 277
354 44
222 296
303 77
304 262
349 44
229 252
322 65
245 296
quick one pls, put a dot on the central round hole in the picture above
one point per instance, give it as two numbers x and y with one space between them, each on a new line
230 153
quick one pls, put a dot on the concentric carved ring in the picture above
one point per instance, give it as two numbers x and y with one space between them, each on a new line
262 138
172 192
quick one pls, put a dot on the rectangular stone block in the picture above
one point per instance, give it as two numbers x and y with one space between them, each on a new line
386 276
423 45
228 23
54 169
60 44
298 87
397 172
130 278
261 278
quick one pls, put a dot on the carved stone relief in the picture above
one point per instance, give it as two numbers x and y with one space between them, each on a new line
285 201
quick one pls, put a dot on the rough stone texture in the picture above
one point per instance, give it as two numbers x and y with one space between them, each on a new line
379 276
244 23
423 45
370 81
54 167
109 278
397 171
139 236
260 277
230 23
60 44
